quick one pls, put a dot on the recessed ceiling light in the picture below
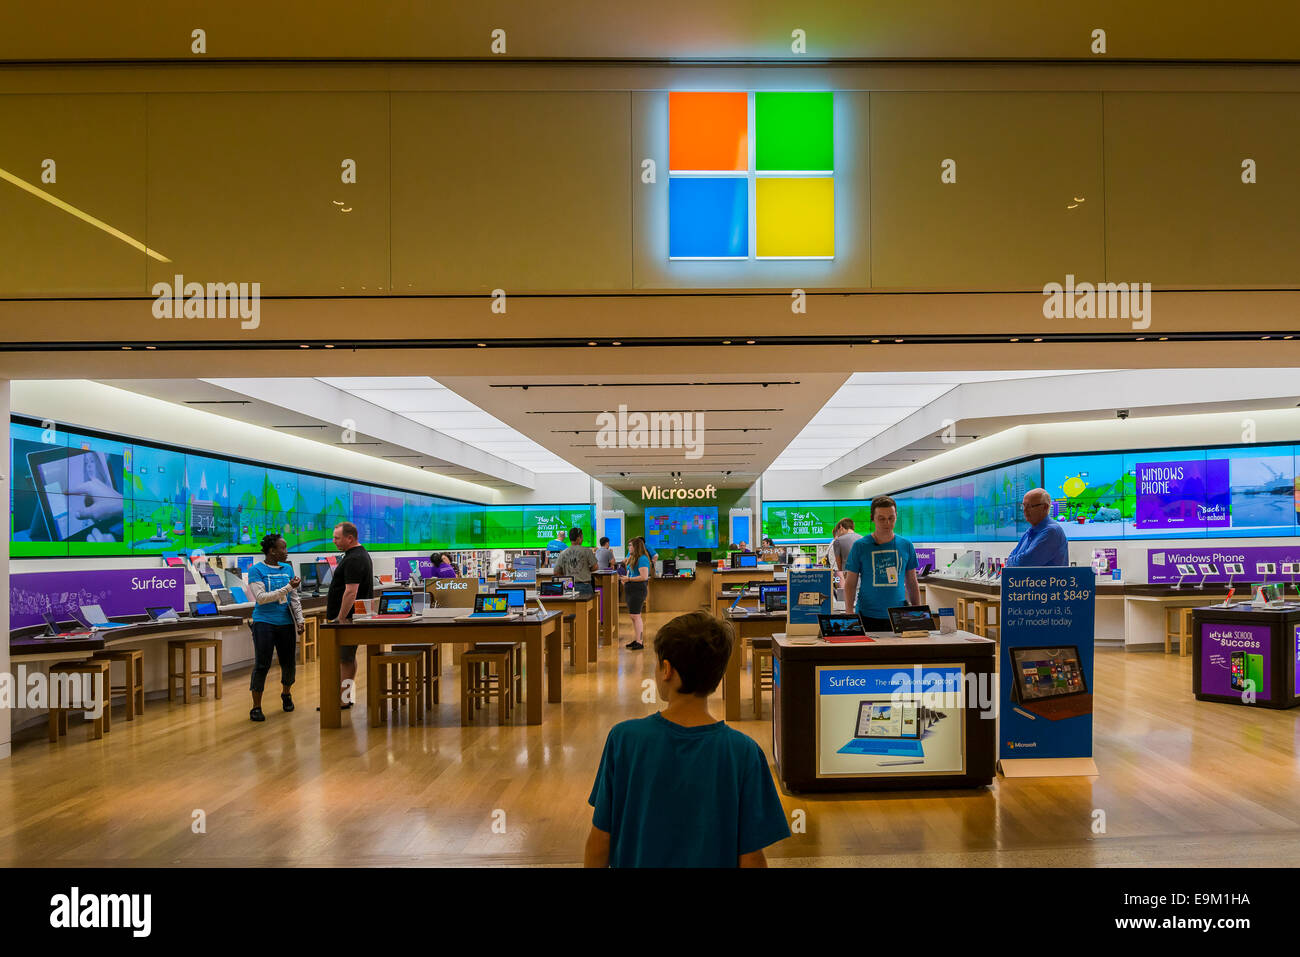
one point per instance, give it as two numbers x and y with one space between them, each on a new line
749 342
329 345
616 343
126 348
303 345
151 347
726 342
591 343
482 345
1013 339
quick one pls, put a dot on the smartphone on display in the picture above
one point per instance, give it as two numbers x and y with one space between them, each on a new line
1237 671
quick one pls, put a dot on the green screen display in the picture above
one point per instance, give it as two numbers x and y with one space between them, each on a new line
83 495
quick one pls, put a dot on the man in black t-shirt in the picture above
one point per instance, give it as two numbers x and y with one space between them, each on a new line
353 579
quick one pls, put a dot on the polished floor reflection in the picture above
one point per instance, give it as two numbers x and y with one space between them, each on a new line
1182 783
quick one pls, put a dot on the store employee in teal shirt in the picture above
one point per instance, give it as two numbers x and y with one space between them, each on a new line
880 572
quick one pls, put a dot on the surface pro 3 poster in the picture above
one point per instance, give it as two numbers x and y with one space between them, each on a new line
809 592
1046 663
890 720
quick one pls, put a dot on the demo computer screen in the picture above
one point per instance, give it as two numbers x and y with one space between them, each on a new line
681 527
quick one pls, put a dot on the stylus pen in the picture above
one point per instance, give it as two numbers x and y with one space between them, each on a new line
890 764
1026 714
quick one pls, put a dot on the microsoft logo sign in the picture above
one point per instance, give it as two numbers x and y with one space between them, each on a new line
751 176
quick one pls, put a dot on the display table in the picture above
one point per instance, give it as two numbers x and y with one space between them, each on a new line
532 631
585 630
889 714
679 595
607 584
1232 646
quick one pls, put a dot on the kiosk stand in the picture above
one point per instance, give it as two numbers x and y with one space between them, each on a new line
1246 655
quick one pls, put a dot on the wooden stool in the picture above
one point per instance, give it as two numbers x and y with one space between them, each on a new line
978 610
516 649
478 684
1181 628
432 670
762 676
187 672
133 659
307 647
59 709
963 613
396 676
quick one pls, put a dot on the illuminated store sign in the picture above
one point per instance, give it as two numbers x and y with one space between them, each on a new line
751 176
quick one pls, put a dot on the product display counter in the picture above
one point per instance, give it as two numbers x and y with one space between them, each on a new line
607 586
1247 655
1132 613
890 714
680 595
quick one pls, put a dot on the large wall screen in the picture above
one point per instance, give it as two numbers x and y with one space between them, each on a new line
77 494
1223 492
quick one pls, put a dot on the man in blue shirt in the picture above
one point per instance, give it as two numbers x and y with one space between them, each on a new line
1045 542
680 788
880 571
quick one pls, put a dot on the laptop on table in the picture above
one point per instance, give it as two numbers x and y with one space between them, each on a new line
836 628
95 617
516 596
912 620
774 601
1049 682
203 609
555 588
887 728
161 613
489 607
395 604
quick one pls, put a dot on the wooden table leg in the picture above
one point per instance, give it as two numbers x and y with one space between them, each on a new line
731 681
533 673
583 645
328 650
593 630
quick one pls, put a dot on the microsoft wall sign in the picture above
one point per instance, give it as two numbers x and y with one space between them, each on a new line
751 176
657 493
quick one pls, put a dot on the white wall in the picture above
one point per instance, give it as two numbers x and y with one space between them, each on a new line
93 405
552 488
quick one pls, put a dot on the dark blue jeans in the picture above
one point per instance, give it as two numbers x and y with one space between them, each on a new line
585 589
281 639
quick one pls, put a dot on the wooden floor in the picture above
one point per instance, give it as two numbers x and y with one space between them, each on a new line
1182 782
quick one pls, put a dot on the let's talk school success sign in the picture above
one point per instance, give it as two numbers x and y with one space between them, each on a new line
1046 664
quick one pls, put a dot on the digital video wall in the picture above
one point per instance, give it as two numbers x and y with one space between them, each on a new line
1222 492
681 527
76 494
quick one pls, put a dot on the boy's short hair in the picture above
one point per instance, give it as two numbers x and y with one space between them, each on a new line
846 523
882 501
699 647
604 543
575 535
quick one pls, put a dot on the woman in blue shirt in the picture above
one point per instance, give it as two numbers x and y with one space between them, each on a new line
277 621
636 586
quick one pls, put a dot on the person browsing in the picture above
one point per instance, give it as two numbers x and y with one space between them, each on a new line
1044 542
680 788
880 572
636 586
353 579
604 556
577 563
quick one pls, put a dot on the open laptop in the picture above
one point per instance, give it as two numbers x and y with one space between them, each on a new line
770 588
161 613
95 617
555 588
887 728
775 601
495 606
841 627
925 571
516 595
912 620
53 628
395 604
1049 682
203 609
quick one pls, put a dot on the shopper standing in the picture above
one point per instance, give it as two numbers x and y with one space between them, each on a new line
884 565
604 556
1044 543
577 563
636 585
841 544
277 621
353 579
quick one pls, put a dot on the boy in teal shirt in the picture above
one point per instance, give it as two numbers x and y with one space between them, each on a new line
680 788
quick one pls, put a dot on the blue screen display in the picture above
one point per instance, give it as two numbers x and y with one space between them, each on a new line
681 527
